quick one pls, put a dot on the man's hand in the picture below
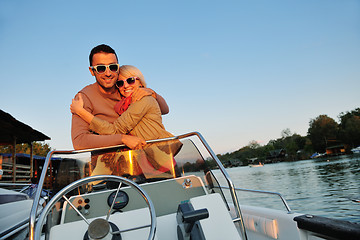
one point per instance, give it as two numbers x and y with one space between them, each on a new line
142 92
133 142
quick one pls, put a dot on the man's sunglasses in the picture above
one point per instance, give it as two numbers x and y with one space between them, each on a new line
130 81
102 68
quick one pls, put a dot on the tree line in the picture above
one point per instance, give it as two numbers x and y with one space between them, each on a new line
39 148
323 132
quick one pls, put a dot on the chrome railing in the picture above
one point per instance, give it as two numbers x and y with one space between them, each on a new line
15 186
229 182
201 138
288 209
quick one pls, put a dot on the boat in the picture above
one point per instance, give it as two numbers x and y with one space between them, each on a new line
356 150
15 209
173 188
318 155
256 165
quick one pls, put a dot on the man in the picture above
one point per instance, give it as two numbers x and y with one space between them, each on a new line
100 98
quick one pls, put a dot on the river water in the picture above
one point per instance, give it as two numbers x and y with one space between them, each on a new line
324 187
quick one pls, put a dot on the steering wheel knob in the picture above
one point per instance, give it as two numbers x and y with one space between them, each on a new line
99 229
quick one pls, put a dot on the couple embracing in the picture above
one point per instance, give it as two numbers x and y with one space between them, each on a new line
117 108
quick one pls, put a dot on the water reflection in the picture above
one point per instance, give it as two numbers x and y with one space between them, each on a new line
321 187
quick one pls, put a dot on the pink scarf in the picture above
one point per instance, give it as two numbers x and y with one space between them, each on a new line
122 105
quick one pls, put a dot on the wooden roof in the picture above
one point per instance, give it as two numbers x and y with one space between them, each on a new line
11 129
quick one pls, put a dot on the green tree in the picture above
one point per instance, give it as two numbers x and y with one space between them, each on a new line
286 133
345 116
253 144
322 131
291 142
349 132
39 148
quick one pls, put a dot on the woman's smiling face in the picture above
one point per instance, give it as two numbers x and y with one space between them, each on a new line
127 89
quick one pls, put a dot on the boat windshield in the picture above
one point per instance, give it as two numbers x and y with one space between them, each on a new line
155 162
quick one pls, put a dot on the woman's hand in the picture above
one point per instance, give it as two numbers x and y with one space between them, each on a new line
133 142
142 92
77 107
77 104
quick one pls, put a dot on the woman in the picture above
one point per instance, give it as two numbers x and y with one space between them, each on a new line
141 118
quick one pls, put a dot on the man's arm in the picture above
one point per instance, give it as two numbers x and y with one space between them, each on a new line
142 92
82 138
164 108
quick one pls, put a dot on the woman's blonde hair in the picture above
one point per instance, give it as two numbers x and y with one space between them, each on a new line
127 71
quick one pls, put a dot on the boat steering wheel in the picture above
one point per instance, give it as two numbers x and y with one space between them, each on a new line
78 183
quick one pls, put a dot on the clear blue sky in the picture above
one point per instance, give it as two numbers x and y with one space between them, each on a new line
236 71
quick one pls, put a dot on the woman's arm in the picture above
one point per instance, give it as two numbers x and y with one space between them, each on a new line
81 137
127 120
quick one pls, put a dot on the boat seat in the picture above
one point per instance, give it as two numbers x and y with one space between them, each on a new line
219 225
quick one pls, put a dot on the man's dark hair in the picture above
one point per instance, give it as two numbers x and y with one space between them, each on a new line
101 48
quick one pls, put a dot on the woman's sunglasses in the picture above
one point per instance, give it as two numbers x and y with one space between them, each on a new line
130 81
102 68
